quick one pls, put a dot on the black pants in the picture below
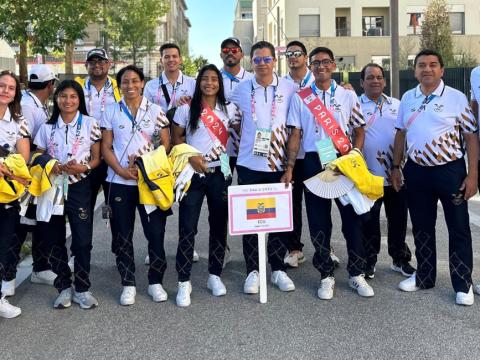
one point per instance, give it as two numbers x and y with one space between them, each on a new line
40 251
215 188
425 186
397 213
78 211
8 221
277 242
123 200
233 163
97 179
295 236
320 225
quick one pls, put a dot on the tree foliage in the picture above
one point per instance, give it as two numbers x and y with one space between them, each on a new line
130 24
436 31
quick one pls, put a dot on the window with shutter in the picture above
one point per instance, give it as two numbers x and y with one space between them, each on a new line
309 25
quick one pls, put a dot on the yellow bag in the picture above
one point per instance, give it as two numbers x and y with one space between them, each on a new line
11 190
354 167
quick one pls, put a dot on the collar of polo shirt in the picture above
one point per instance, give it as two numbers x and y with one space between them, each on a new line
365 99
62 124
273 83
329 90
437 92
143 104
179 79
7 116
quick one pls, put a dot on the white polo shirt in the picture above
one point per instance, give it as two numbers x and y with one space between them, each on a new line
184 86
263 99
434 136
346 111
150 119
228 86
308 80
201 138
34 111
379 133
97 101
11 131
475 85
58 141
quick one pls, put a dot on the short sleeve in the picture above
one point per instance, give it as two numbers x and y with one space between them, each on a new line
401 113
295 112
181 116
161 120
29 115
41 139
148 92
356 117
106 120
23 129
95 132
468 123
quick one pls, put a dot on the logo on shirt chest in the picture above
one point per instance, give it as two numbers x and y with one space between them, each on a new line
337 107
438 107
279 98
10 135
393 112
146 123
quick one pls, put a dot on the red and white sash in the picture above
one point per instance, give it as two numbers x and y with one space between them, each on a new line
215 125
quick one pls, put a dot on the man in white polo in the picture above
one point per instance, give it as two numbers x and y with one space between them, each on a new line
437 125
264 102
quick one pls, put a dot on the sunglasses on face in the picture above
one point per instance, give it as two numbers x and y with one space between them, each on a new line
233 50
99 62
325 62
296 53
265 59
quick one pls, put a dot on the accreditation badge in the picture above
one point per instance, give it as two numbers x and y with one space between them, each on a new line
261 146
326 151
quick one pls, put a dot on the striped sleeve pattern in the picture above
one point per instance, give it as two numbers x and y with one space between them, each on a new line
467 121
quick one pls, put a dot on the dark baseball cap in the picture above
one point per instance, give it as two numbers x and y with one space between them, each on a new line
231 40
100 53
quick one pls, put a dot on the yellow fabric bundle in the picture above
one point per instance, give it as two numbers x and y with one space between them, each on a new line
10 189
40 170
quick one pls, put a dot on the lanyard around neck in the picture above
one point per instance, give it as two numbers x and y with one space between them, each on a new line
274 106
332 94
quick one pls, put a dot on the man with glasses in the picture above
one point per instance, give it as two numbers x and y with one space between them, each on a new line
34 103
380 113
343 110
264 102
100 90
437 124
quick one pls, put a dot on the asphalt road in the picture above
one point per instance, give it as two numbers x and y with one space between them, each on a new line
392 325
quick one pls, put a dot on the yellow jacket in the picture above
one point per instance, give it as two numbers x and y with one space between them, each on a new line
116 91
40 170
354 167
11 190
155 179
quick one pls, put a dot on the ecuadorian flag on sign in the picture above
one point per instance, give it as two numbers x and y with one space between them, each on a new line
263 208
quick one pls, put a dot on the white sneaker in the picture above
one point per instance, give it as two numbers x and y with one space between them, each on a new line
8 288
360 284
294 259
228 257
476 289
147 260
215 284
7 310
183 294
465 299
71 263
196 257
64 299
128 295
409 284
281 279
157 292
252 283
86 300
327 285
46 277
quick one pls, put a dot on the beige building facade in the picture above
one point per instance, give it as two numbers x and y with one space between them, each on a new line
358 31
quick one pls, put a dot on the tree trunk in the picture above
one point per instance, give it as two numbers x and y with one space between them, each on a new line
69 47
22 63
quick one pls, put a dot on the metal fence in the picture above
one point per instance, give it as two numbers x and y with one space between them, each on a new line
458 78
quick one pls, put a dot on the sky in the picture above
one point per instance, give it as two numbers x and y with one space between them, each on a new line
212 22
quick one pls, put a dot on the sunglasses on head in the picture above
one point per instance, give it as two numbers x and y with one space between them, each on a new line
296 53
265 59
233 50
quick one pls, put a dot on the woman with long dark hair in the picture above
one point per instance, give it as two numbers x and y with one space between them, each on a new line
14 138
130 129
72 138
203 124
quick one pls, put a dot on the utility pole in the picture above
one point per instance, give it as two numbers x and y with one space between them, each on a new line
394 56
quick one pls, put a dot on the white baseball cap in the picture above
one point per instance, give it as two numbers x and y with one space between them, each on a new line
39 73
